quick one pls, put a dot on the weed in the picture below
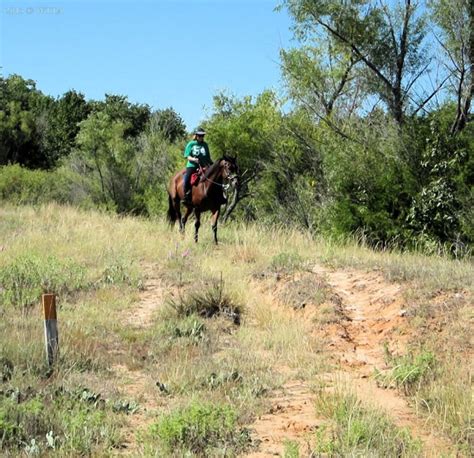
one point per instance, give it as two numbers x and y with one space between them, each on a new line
409 371
190 328
121 272
286 263
360 431
24 280
75 422
210 301
6 369
291 449
215 380
200 429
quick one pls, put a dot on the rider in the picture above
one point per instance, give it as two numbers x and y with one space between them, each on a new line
197 154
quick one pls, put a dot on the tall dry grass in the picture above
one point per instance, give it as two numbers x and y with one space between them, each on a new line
192 358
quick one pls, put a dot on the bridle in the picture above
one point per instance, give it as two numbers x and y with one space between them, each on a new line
230 178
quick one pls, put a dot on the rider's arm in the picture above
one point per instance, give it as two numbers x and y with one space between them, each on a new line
187 153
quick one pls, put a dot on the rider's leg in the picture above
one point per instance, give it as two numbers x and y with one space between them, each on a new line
187 184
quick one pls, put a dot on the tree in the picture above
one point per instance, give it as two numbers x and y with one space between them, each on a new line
386 41
20 106
61 125
135 116
169 123
455 19
103 157
244 128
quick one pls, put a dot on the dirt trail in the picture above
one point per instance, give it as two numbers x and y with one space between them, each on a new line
371 315
151 297
291 417
376 316
136 383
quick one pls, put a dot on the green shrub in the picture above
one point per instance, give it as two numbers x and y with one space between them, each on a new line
191 328
19 185
291 450
24 279
76 422
410 370
199 429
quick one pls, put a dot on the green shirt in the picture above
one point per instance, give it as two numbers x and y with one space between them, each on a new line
199 150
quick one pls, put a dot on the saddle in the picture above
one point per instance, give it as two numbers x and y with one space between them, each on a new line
197 176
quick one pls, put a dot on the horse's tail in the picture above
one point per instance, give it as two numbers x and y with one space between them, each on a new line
171 215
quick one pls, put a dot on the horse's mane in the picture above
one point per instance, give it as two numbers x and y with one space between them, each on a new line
214 166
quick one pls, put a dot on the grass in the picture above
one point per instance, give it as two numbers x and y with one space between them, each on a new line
202 429
409 372
221 344
358 430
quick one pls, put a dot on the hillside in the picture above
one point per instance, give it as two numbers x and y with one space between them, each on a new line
272 343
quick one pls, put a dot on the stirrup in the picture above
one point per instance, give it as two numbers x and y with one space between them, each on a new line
188 198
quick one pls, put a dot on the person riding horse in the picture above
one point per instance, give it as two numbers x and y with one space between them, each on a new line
207 195
197 154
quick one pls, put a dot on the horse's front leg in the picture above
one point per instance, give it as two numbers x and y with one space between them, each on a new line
184 219
214 218
197 224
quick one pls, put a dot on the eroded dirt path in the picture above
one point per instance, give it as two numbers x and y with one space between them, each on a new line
376 316
291 417
150 299
136 383
371 315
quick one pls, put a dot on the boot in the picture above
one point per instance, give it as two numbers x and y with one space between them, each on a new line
188 199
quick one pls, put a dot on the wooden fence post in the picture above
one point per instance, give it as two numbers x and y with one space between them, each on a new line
50 327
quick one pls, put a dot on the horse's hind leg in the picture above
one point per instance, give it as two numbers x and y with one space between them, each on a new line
177 209
214 218
184 219
197 224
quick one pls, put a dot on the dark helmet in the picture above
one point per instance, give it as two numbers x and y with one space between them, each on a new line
199 131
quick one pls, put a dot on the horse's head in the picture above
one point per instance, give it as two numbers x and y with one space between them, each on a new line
230 169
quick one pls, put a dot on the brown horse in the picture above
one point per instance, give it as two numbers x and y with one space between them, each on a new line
208 195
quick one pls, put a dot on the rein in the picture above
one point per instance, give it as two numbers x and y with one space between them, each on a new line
224 186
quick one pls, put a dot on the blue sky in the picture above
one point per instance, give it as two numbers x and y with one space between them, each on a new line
164 53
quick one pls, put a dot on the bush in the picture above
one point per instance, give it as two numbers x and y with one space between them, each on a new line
75 422
24 280
191 328
411 370
200 428
19 185
211 301
121 272
286 262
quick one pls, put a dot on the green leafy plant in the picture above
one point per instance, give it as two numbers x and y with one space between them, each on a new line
121 272
200 428
291 450
409 371
190 328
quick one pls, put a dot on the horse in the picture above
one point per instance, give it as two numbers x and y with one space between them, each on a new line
208 195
